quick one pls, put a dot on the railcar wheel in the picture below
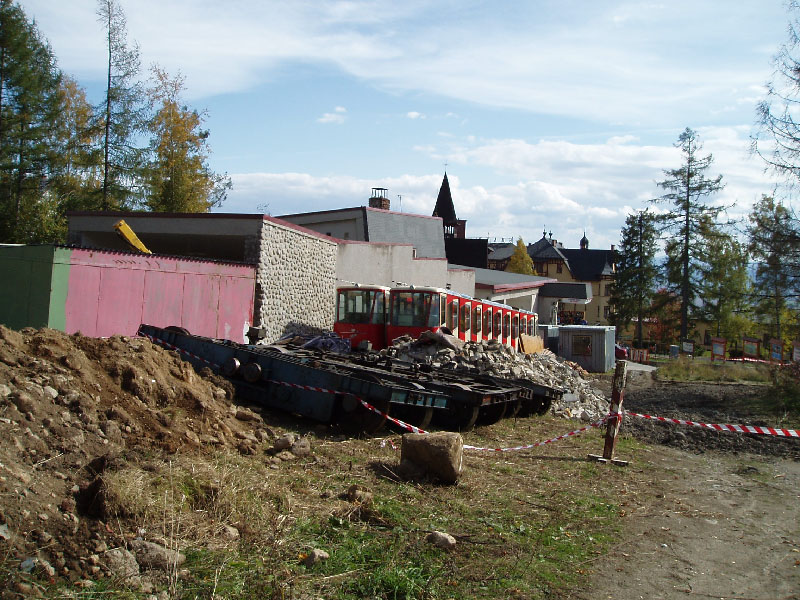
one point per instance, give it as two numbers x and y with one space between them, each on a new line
457 418
491 414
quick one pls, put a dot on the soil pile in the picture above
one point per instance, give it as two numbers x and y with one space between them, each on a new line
711 403
71 408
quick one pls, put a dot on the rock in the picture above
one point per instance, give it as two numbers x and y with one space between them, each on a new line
301 447
245 414
50 392
230 532
152 556
441 540
315 556
439 454
121 563
23 401
359 494
285 441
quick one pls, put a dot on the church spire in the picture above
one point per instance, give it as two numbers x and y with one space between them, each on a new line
444 204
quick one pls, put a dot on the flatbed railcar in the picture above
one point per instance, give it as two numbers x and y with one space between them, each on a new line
329 388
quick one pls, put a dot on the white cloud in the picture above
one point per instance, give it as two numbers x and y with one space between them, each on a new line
337 116
562 187
415 115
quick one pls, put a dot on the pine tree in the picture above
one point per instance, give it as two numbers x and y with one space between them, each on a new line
177 178
520 261
122 115
29 104
636 272
691 221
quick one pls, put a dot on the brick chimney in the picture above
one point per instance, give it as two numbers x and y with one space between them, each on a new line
379 199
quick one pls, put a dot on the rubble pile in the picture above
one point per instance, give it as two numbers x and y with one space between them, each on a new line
580 399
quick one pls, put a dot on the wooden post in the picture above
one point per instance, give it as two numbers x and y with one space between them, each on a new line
612 427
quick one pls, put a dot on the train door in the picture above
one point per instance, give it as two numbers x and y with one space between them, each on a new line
497 325
464 319
506 327
412 312
514 329
477 323
452 314
486 323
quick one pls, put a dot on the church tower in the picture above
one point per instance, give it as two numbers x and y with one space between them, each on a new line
453 226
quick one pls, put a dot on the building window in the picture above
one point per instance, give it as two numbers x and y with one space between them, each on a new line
608 289
582 345
559 268
606 312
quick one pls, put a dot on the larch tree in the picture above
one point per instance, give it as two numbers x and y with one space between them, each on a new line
725 287
689 222
520 262
636 272
774 244
122 114
177 176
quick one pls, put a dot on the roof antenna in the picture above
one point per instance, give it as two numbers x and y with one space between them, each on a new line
400 198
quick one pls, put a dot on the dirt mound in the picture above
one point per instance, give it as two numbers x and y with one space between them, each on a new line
72 409
711 403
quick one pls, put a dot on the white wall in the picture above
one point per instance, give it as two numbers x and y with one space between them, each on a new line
391 264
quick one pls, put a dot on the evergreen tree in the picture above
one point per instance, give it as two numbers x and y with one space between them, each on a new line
778 141
520 262
177 178
122 115
636 272
725 287
774 244
29 104
690 220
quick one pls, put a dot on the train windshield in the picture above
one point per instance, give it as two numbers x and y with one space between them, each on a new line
362 306
415 309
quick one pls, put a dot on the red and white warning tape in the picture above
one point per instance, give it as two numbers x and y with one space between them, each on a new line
551 440
717 427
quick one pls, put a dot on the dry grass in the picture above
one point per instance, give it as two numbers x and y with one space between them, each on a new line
528 523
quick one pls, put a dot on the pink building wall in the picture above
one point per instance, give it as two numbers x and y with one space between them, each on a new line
113 293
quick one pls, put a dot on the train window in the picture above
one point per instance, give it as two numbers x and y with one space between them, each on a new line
532 325
515 327
463 318
498 317
432 305
361 306
476 320
410 309
442 309
506 325
487 322
452 314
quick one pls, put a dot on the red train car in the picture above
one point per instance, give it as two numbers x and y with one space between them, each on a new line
361 314
414 309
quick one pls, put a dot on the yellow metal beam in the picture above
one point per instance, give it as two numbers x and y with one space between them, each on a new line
127 234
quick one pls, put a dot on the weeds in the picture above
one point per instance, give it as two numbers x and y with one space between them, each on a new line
688 369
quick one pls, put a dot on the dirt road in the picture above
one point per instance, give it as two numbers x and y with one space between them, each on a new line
722 518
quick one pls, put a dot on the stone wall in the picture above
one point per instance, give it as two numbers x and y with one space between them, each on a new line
295 281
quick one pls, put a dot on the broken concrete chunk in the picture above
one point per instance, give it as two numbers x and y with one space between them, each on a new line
439 454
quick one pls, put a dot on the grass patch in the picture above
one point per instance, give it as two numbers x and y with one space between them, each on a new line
700 369
528 524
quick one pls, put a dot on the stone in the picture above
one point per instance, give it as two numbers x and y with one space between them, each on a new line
301 447
23 401
152 556
285 442
230 532
359 494
315 556
122 563
439 454
441 540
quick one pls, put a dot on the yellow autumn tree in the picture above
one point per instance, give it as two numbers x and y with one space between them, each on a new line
520 261
177 177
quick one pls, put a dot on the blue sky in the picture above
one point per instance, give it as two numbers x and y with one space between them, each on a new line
548 114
